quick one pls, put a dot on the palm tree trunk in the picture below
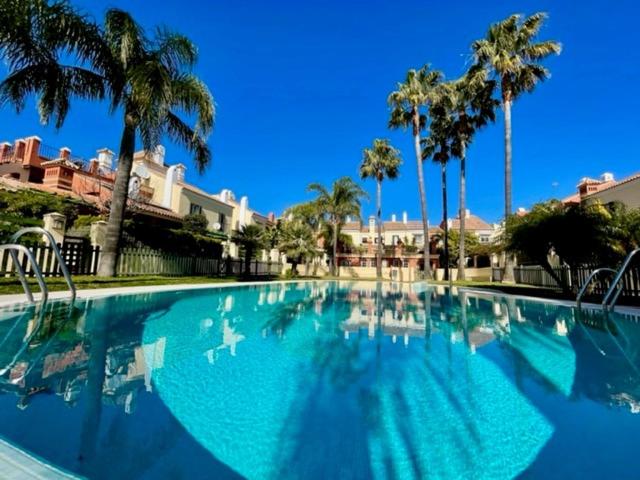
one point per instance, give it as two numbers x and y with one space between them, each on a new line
109 253
379 251
248 253
463 212
334 263
445 220
421 189
508 276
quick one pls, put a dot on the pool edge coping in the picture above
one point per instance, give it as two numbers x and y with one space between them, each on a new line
17 299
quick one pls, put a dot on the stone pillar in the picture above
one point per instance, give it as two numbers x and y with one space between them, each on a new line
32 152
98 233
5 149
19 149
55 223
65 153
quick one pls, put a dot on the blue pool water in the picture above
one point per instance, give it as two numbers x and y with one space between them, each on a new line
323 380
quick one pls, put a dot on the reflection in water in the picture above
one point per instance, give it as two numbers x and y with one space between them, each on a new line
387 380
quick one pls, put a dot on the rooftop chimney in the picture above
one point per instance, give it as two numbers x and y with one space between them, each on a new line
158 155
467 213
244 206
105 158
404 217
607 177
393 217
180 169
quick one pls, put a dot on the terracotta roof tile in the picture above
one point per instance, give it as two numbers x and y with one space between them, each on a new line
610 185
472 222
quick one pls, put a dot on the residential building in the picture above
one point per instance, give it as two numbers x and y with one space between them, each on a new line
168 189
403 243
607 189
485 231
155 189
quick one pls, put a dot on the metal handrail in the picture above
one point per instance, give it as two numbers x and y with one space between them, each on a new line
611 297
56 251
13 248
587 282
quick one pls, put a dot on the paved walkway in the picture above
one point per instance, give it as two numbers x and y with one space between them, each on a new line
16 464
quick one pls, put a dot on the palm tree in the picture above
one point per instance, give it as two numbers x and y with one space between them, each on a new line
298 242
436 146
380 162
251 238
510 51
462 107
343 200
416 92
148 80
46 48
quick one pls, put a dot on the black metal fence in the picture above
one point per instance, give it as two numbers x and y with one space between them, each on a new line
82 259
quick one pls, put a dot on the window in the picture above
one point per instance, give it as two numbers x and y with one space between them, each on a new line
373 262
365 240
195 208
405 263
363 262
484 238
395 240
419 239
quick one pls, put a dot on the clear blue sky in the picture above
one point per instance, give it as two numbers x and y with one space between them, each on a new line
301 88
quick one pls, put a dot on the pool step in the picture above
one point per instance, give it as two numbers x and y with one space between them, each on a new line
16 464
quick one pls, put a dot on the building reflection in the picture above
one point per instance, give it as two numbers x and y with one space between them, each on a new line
66 348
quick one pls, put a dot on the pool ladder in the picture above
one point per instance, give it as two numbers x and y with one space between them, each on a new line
14 248
615 289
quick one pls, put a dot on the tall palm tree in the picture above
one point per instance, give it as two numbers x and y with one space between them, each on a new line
436 147
251 238
380 162
147 80
336 204
416 92
461 108
510 51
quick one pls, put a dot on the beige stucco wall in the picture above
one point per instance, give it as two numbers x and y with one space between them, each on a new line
627 193
480 274
211 208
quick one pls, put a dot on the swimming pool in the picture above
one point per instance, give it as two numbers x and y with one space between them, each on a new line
320 380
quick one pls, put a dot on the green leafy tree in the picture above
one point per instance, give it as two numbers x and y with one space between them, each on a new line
195 223
307 212
251 239
577 234
343 200
461 108
380 162
512 54
58 54
298 242
472 244
417 91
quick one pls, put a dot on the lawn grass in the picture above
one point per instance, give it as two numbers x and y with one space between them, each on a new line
82 282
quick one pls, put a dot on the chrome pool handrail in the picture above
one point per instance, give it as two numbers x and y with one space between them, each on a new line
54 246
611 297
587 282
13 248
